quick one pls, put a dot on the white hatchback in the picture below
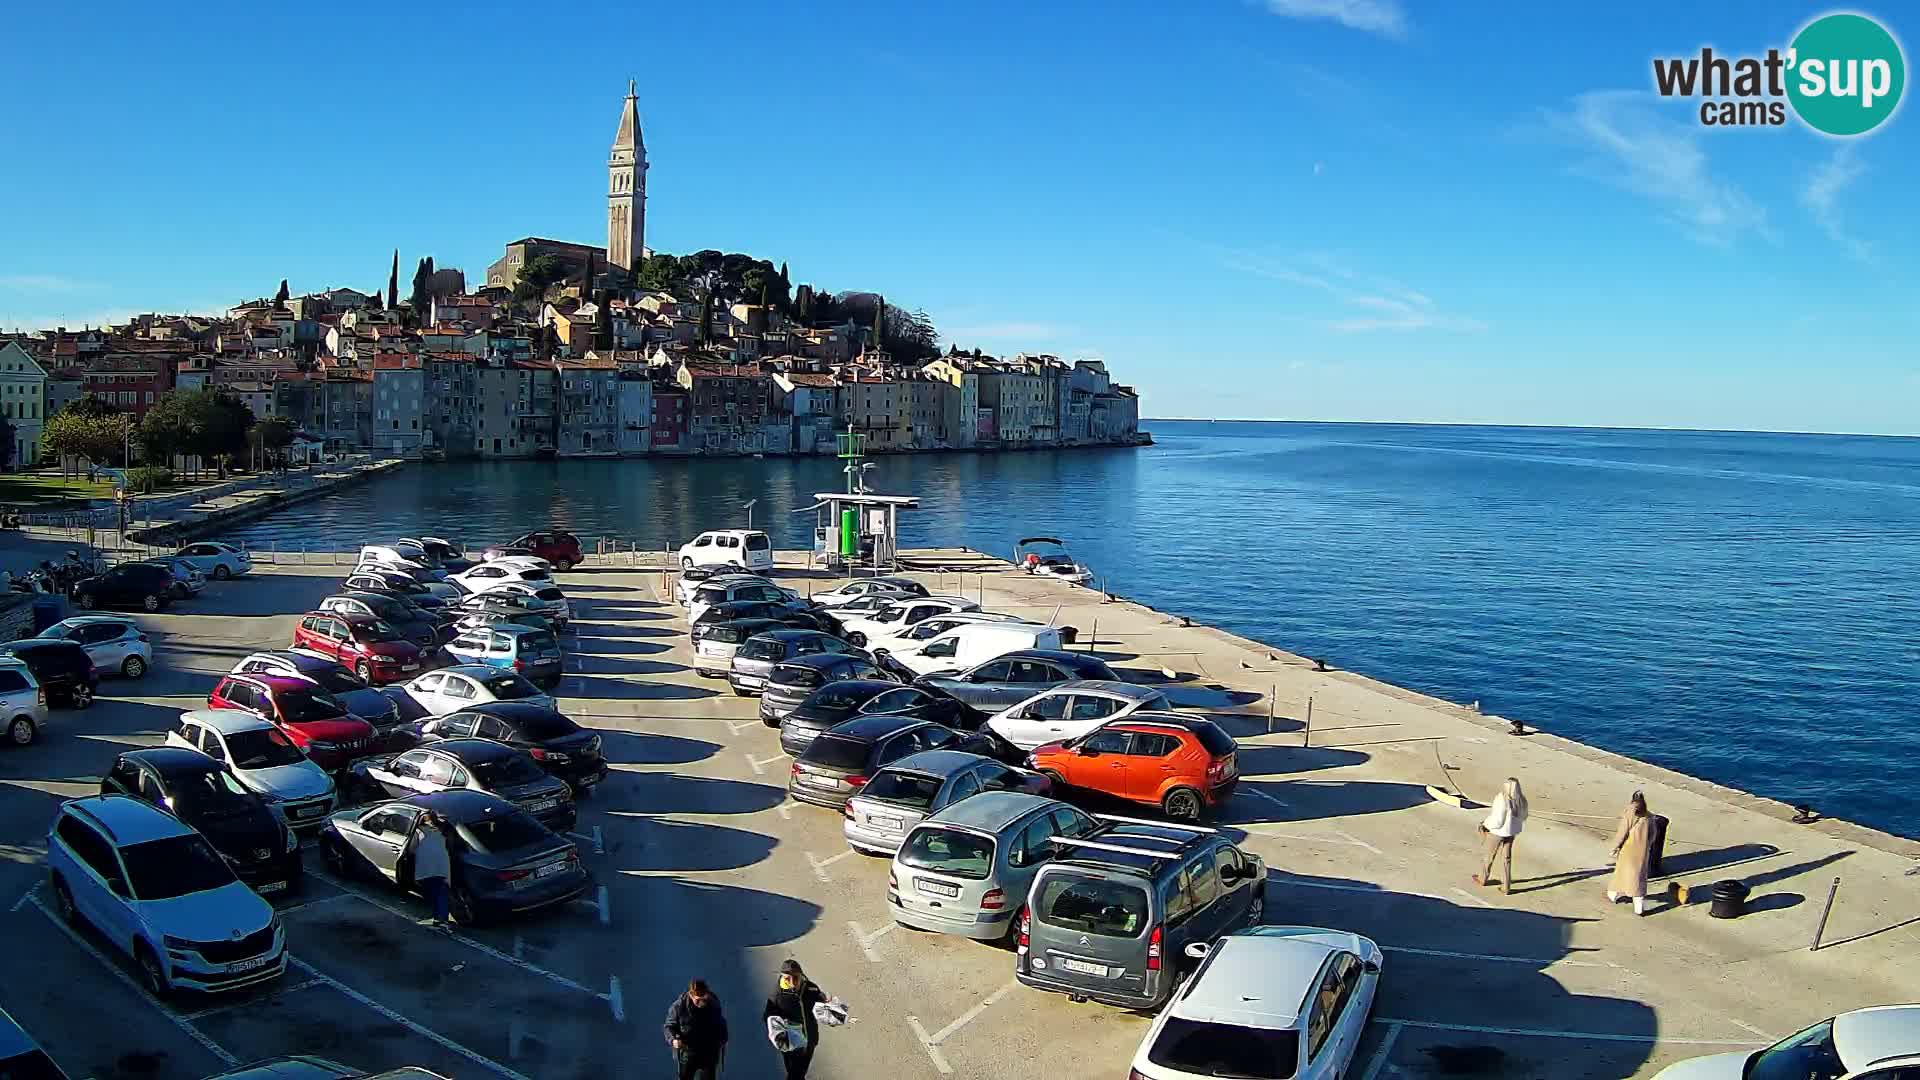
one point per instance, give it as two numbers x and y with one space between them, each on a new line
217 560
1879 1043
1073 709
263 759
1266 1001
451 689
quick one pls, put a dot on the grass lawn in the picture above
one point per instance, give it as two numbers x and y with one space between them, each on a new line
41 487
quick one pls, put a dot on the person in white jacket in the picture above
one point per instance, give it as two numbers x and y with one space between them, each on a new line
1503 822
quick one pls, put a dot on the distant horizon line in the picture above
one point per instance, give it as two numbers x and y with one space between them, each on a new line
1530 427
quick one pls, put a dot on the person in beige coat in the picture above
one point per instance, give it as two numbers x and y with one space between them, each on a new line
1632 848
1504 820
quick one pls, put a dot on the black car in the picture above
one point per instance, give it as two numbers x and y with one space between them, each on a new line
561 746
1012 678
783 613
62 668
471 765
201 792
837 764
503 860
135 585
924 703
367 702
835 703
395 583
791 682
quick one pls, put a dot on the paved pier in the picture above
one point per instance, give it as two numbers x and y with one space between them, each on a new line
708 870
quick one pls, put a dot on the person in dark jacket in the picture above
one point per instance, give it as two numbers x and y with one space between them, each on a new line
697 1031
794 1002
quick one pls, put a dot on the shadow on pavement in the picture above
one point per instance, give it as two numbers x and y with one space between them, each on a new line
642 748
669 793
1287 802
596 686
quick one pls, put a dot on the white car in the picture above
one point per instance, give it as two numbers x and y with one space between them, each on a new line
114 643
897 616
1880 1043
1287 1001
263 759
930 628
748 549
217 560
687 585
1073 709
898 588
480 578
546 597
465 685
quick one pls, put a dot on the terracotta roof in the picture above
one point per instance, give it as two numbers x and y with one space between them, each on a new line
811 378
396 362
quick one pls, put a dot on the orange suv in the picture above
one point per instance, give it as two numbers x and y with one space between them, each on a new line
1182 764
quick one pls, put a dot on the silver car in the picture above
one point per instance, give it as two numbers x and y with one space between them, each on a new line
114 643
966 869
908 791
754 660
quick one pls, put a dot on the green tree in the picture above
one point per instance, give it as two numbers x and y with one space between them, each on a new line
418 298
537 276
6 443
91 406
393 283
270 439
207 422
72 433
280 298
660 271
706 315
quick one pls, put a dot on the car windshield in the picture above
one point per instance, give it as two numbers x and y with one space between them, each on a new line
837 752
504 832
1093 906
550 593
534 573
377 630
902 789
841 696
945 851
1217 742
300 706
758 542
509 687
508 771
763 649
539 643
724 634
335 680
1810 1055
213 793
176 866
1225 1050
542 726
262 748
710 594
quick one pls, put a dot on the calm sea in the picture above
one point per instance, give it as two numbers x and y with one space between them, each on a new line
1736 606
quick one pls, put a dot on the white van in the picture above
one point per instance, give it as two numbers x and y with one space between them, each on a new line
972 643
748 549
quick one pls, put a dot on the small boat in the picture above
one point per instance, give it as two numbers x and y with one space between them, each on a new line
1047 556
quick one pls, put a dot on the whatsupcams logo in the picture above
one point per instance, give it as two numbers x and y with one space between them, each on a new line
1842 75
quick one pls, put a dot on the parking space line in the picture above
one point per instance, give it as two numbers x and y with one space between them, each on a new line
1379 1059
411 1025
1341 841
1744 1026
133 984
215 1010
735 727
1282 879
1356 841
866 940
305 904
1533 960
606 909
785 810
1470 898
820 865
932 1042
760 764
599 845
1547 1033
614 1000
939 1061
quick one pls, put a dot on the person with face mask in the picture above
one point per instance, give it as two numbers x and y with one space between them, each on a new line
793 1002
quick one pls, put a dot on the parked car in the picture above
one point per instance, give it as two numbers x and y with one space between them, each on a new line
793 681
472 765
717 643
61 668
557 546
484 615
388 555
412 623
1111 922
114 643
188 581
316 721
157 891
480 578
862 606
746 548
216 559
837 764
465 685
503 860
240 824
917 786
547 599
755 657
530 651
965 870
911 636
1070 710
308 1067
833 703
376 650
1185 765
561 746
1014 677
970 644
923 703
1267 1000
263 759
1877 1043
732 589
692 578
135 585
433 581
23 702
858 627
503 600
447 552
896 588
783 613
361 698
394 583
20 1057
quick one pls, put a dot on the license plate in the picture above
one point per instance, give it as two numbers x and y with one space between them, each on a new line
549 869
543 804
881 822
820 781
271 886
936 888
409 667
305 812
254 964
589 781
1084 968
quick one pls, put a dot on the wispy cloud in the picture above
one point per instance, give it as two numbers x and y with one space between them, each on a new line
1821 197
41 283
1635 145
1384 17
1378 303
1007 331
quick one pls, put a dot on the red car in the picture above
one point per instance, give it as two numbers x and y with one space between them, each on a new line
314 719
557 546
376 651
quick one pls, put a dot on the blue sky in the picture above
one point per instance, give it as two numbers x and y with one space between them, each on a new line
1297 209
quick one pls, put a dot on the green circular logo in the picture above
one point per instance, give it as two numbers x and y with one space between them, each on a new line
1845 74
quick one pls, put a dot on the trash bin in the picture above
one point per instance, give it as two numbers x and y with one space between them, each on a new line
47 610
1729 899
1656 845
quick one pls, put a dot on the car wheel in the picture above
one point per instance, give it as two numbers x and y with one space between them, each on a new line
1257 911
22 731
364 670
1182 804
152 976
1055 783
686 564
151 602
1012 936
460 906
63 903
333 860
221 573
563 565
81 696
83 601
133 667
770 721
857 639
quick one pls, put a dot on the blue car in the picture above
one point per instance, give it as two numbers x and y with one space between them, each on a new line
528 650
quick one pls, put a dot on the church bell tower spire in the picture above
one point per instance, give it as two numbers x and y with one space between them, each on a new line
627 188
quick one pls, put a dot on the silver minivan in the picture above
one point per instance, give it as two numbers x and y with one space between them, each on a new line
966 870
917 786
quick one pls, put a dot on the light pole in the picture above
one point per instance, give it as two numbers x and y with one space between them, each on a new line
750 503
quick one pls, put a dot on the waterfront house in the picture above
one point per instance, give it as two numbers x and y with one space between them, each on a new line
877 407
959 419
811 402
1115 416
451 402
399 403
460 308
926 411
671 406
636 411
730 403
23 401
133 378
1016 396
589 403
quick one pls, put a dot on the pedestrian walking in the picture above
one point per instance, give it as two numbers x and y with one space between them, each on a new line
1632 848
697 1031
432 869
793 1003
1504 820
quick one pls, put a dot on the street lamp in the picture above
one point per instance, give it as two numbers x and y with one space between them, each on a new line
750 503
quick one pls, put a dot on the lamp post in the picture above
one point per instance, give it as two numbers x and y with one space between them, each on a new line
750 503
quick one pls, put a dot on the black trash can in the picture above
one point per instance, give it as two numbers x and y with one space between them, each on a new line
1656 845
1729 899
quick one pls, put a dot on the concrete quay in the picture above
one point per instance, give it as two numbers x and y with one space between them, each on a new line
708 870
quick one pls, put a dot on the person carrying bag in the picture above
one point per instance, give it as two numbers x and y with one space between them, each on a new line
792 1026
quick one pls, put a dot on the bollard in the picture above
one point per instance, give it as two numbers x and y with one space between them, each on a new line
1824 912
1092 635
1272 692
1307 734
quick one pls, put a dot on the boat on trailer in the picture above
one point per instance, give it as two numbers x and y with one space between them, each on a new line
1048 557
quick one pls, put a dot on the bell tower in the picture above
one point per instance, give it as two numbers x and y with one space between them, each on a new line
627 189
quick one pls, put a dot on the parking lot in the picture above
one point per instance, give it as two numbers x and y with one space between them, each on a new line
706 869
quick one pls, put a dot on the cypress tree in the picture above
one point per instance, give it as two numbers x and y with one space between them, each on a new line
393 283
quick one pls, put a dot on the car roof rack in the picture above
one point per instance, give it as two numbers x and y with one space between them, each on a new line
1156 824
1099 845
